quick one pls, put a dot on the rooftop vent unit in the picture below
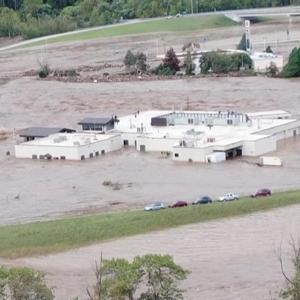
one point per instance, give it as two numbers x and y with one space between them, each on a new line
76 143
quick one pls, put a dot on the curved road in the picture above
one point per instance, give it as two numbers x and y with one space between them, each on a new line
233 14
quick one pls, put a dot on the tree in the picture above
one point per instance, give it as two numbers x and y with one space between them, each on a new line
292 290
188 64
161 276
269 49
243 44
149 277
9 22
141 61
129 60
23 284
171 60
272 70
292 68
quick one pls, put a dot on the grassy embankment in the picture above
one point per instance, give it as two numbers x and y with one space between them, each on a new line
54 236
187 23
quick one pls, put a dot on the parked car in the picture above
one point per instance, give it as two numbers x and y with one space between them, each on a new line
202 200
178 204
154 206
262 193
229 197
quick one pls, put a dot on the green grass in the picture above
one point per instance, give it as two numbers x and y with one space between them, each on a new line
187 23
54 236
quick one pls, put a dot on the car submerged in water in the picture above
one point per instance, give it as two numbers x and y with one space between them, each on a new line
154 206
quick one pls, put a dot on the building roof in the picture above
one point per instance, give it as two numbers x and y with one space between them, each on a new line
42 131
100 121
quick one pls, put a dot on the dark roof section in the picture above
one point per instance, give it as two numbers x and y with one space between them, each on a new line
40 132
99 121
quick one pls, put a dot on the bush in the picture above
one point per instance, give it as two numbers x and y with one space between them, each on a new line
164 70
218 62
188 64
23 283
135 62
269 50
171 60
272 70
243 44
45 26
9 22
44 70
292 68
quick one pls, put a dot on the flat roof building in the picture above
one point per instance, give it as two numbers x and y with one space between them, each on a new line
32 133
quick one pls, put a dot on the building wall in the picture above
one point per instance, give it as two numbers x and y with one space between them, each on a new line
191 154
156 144
259 147
283 131
260 65
131 137
69 152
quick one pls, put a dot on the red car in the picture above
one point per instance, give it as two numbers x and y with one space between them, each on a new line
262 193
178 204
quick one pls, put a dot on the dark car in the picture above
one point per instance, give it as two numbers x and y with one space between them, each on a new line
203 200
178 204
262 193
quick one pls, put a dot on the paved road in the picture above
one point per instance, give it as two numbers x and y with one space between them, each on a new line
234 14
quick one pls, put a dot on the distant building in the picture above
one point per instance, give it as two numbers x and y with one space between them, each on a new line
32 133
98 124
69 146
262 60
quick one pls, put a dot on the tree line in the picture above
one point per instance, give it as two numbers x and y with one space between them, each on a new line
32 18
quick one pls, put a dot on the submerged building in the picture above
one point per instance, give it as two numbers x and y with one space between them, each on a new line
193 136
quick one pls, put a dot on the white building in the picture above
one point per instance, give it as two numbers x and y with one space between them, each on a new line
262 60
206 136
69 146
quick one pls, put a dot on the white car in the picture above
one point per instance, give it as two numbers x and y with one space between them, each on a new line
154 206
229 197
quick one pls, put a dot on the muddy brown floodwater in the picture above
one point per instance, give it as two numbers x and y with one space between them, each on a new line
51 189
228 259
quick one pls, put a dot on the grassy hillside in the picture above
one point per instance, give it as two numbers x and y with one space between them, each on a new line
47 237
186 23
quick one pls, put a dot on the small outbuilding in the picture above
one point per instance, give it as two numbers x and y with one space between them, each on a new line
98 124
32 133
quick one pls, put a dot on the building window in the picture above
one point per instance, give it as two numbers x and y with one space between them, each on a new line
34 156
97 153
125 143
102 152
42 157
82 157
229 122
176 155
190 121
91 155
62 157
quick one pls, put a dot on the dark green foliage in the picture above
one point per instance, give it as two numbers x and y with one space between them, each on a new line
10 23
135 62
164 70
272 70
188 64
292 290
44 70
171 60
149 277
243 44
269 49
218 62
23 284
292 68
98 12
